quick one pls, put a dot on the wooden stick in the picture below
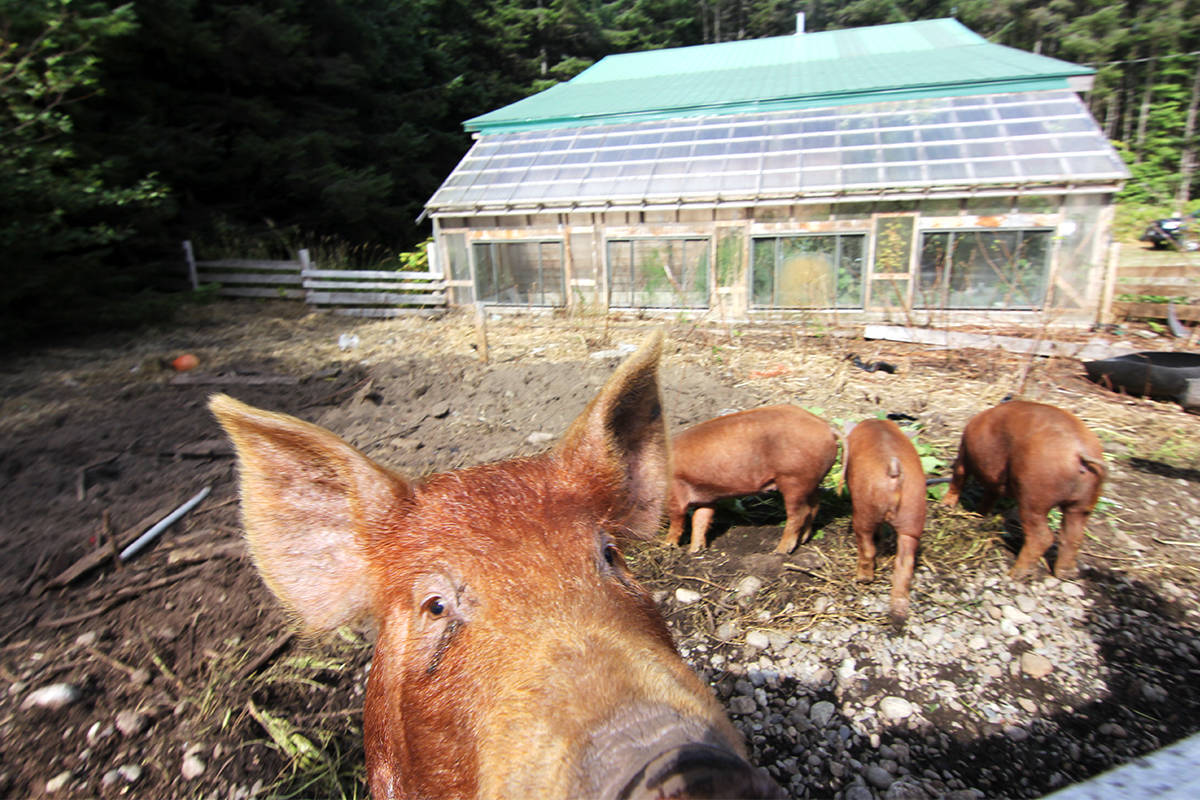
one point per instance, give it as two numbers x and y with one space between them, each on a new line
99 555
481 332
264 657
107 533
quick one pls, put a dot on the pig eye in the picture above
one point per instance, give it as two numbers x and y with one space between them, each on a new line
434 606
611 555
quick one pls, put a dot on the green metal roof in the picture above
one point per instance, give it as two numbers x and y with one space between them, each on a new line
911 60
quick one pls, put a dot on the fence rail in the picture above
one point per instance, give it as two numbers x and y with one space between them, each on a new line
1142 284
359 293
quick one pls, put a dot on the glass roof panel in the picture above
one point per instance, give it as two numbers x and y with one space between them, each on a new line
1016 138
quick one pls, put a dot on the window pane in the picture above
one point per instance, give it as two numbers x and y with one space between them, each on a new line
983 269
658 273
807 271
519 273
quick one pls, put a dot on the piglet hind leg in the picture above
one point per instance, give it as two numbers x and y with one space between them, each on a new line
902 573
1069 541
701 518
1038 539
801 511
864 535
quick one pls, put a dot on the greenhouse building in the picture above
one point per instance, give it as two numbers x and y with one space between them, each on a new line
912 172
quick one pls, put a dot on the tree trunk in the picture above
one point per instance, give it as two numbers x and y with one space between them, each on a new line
1144 112
1187 161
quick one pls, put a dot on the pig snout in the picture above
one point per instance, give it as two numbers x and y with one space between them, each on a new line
690 759
701 772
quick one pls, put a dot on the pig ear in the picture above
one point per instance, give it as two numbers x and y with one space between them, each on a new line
622 438
308 499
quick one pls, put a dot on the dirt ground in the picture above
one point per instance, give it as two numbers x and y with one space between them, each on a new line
187 681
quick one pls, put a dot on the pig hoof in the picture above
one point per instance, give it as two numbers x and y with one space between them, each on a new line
1067 573
1016 574
864 577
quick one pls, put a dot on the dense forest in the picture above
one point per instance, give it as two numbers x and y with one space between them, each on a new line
127 127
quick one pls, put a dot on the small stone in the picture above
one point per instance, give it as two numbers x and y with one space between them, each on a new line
1072 590
53 697
1112 729
1028 705
906 788
1016 733
758 639
896 708
130 772
878 777
86 639
110 778
977 643
139 677
727 631
742 705
539 437
58 782
821 712
859 792
1015 614
1026 603
933 636
687 596
1035 666
748 586
193 766
130 723
1009 628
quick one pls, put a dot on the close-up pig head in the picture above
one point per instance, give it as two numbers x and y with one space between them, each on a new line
516 655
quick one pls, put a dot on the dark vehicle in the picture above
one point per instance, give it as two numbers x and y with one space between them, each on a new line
1174 233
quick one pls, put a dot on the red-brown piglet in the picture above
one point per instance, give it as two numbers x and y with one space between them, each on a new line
887 484
748 452
1043 457
516 655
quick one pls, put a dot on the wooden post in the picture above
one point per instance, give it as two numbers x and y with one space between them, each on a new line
481 332
1110 284
191 264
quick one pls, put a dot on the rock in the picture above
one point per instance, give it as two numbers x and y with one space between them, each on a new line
1016 733
1036 666
859 792
58 782
193 767
727 631
878 777
1028 705
747 587
139 677
758 639
539 437
1112 729
110 778
933 636
1026 604
87 639
130 723
1072 590
742 704
53 696
687 596
1015 614
130 772
821 712
905 788
895 708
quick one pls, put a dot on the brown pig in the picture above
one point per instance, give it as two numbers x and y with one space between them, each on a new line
887 484
776 447
1042 457
516 654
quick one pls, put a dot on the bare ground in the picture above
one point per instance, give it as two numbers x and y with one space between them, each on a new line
190 686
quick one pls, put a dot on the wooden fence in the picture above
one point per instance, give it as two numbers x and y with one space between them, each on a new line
359 293
1145 277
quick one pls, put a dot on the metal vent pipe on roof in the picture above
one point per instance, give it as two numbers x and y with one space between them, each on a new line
799 22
